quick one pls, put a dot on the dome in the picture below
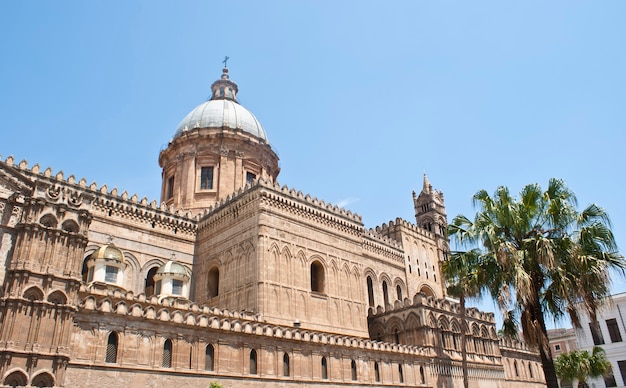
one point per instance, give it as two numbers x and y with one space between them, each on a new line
172 268
221 114
222 110
108 252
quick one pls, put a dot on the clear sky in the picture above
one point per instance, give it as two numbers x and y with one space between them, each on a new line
359 99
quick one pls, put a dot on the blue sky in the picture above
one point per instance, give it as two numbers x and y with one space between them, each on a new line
358 98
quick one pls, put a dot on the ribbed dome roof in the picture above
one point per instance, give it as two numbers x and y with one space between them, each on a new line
108 252
222 111
172 267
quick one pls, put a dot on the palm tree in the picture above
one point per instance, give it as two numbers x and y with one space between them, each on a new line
463 276
581 365
538 250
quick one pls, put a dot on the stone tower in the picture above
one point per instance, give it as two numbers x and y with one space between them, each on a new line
217 148
46 226
430 211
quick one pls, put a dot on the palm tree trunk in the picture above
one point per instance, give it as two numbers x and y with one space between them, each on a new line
463 341
544 350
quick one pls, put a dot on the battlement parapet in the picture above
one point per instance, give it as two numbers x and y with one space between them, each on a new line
185 312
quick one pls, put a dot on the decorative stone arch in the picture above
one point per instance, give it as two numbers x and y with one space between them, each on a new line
15 377
274 264
455 326
33 293
285 263
443 323
413 321
377 332
57 297
432 321
42 379
70 225
400 289
427 290
88 251
147 274
395 329
132 272
332 278
318 277
213 282
345 281
49 221
385 285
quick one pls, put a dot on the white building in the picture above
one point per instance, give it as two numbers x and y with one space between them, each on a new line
608 332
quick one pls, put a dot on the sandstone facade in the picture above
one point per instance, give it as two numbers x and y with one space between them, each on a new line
232 278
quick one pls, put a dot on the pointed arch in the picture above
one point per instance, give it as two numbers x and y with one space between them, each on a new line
286 365
253 362
70 226
111 350
57 297
273 268
209 358
167 354
318 277
213 282
16 378
33 293
42 379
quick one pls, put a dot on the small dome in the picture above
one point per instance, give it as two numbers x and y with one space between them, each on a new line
172 268
222 114
108 252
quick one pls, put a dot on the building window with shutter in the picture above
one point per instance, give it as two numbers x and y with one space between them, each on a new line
169 189
206 178
614 333
111 355
596 334
167 354
177 287
110 276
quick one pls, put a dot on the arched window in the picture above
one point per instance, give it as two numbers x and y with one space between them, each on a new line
111 355
376 372
324 368
399 292
530 370
401 373
396 336
422 375
213 283
167 354
286 365
515 367
85 273
317 277
353 367
385 294
370 291
209 358
16 379
253 369
149 287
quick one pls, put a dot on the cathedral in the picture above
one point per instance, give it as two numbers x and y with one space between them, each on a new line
229 279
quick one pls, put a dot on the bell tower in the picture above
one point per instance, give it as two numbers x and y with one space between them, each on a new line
430 211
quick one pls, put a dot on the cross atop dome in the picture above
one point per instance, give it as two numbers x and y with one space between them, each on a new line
224 88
